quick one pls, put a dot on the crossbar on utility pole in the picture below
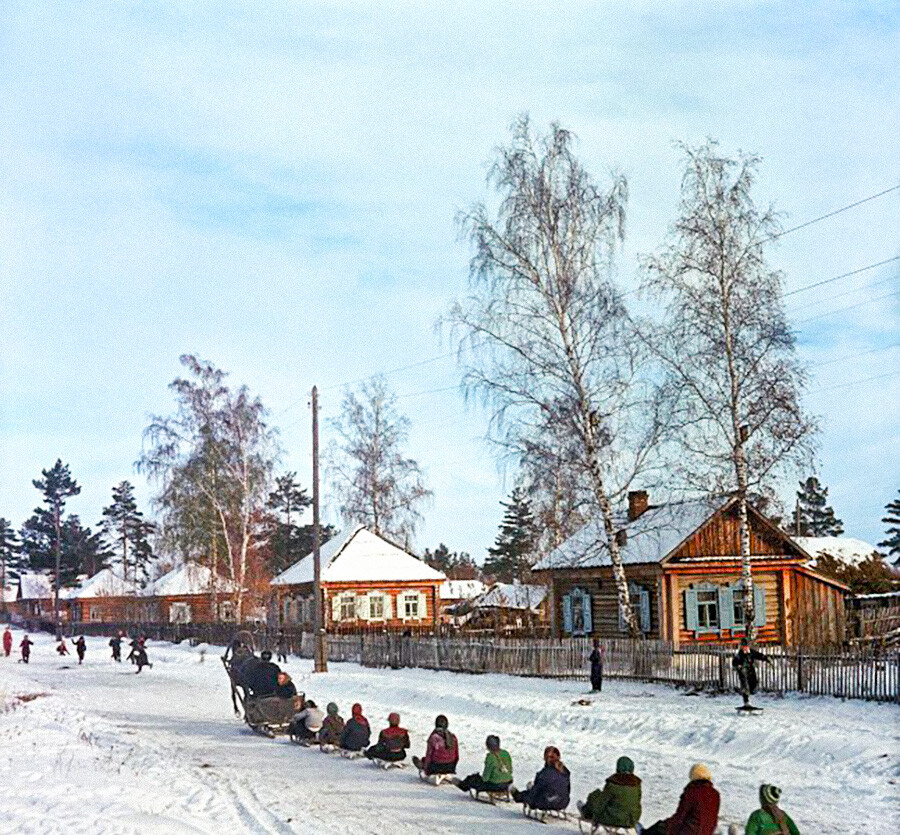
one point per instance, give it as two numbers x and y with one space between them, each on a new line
321 656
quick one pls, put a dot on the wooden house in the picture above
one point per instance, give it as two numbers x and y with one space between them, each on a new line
453 593
505 607
104 598
367 583
34 597
186 595
684 574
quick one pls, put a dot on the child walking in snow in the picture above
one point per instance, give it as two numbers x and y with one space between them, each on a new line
25 646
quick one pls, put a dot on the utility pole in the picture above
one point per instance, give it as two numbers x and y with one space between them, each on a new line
321 654
58 548
797 518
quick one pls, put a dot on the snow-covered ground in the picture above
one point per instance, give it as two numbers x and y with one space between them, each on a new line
98 749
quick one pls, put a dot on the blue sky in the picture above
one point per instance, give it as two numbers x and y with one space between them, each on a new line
274 190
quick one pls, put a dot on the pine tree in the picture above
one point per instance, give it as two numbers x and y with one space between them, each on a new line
126 530
9 558
892 520
457 565
513 552
815 516
57 485
286 538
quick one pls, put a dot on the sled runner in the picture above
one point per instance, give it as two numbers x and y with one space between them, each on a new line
387 764
351 755
586 826
435 779
749 709
493 798
541 815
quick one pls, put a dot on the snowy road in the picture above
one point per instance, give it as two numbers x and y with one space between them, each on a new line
101 750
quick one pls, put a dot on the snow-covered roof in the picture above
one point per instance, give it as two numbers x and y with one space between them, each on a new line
33 586
461 589
846 549
9 594
651 537
105 583
187 579
511 596
358 555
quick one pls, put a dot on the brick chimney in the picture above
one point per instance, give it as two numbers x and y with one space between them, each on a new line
638 502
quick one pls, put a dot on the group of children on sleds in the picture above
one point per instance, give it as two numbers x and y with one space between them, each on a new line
614 808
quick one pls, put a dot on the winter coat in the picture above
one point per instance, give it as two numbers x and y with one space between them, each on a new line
550 789
333 730
286 690
761 822
311 717
262 678
617 804
746 661
497 767
394 739
698 810
356 734
7 642
442 749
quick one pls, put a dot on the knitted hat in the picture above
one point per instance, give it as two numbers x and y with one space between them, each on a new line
624 766
769 794
332 709
700 772
394 719
441 722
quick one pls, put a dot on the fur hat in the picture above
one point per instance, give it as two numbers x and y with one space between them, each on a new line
769 795
624 765
700 772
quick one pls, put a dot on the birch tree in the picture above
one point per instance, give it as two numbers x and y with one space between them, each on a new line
213 461
544 335
372 479
725 341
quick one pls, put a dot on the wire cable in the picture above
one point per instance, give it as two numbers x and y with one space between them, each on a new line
848 307
837 277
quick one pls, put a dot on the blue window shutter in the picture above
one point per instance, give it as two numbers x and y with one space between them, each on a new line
645 610
759 605
690 610
588 614
567 613
726 607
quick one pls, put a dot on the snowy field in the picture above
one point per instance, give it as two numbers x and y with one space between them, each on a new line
98 749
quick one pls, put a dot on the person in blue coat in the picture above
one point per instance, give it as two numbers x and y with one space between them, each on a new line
551 786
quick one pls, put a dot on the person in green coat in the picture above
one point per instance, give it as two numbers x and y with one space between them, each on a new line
618 803
497 775
769 819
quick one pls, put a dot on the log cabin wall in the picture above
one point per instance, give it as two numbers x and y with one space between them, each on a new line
720 538
395 591
818 612
726 575
600 584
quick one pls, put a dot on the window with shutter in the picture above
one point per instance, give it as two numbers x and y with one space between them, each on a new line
346 607
759 605
567 613
645 609
726 607
423 606
388 606
588 613
409 607
362 607
690 610
375 600
578 611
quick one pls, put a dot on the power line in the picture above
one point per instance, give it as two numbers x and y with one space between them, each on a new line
843 275
848 307
857 382
832 214
855 356
871 286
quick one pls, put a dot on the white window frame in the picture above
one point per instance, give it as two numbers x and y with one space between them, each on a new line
346 607
179 612
377 606
704 606
95 614
411 600
227 611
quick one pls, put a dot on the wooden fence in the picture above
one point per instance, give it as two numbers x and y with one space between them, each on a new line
859 673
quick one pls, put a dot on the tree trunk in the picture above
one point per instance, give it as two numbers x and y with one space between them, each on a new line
744 538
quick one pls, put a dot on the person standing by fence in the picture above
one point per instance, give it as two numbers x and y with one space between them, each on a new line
596 659
744 662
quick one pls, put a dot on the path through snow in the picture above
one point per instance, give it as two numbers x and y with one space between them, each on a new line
106 751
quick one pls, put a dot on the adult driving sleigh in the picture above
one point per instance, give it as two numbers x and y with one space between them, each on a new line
264 695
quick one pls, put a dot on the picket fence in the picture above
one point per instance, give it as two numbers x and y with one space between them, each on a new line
860 673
